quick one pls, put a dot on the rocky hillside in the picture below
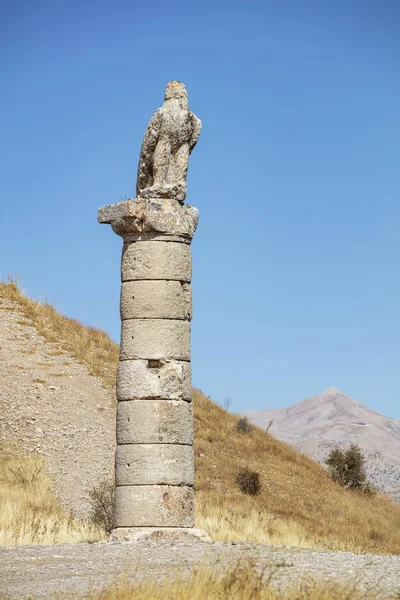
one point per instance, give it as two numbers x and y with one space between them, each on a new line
50 405
56 399
332 419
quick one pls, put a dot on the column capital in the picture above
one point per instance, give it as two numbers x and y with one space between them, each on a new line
151 219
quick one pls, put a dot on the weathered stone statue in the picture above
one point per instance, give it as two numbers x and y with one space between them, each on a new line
169 139
154 463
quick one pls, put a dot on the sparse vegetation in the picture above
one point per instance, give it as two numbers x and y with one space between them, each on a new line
248 482
298 504
244 426
89 346
102 505
270 423
240 581
55 353
29 511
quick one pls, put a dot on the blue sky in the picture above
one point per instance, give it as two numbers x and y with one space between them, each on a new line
296 176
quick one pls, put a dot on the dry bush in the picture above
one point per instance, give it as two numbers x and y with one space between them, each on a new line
30 513
243 425
240 581
249 482
102 497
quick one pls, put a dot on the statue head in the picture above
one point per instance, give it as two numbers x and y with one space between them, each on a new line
176 90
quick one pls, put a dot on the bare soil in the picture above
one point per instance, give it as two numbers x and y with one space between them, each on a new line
50 405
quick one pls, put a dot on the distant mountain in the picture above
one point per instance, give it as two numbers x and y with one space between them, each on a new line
332 419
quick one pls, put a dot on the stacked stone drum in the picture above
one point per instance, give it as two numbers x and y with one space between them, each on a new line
154 465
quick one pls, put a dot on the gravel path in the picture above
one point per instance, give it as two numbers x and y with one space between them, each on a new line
44 572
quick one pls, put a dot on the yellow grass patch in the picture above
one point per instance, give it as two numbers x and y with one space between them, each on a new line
237 582
88 345
29 511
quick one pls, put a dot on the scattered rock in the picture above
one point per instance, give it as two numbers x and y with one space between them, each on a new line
85 461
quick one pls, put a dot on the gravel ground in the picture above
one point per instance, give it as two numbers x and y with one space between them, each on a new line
44 572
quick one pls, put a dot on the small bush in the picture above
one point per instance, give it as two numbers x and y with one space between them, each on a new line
102 498
244 426
249 482
347 468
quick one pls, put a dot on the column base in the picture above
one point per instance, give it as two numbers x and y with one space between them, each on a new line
168 534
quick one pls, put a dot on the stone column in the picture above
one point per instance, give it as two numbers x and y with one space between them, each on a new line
154 463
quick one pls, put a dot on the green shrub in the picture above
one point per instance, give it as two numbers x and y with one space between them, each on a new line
347 467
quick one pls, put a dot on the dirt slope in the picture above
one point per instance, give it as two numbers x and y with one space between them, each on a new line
49 404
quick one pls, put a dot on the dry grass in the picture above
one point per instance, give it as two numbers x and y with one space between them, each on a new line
30 513
298 505
89 346
242 581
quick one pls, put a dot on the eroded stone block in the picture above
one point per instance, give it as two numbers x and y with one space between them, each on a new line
154 379
154 464
155 339
156 260
151 216
154 506
156 299
154 422
159 534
